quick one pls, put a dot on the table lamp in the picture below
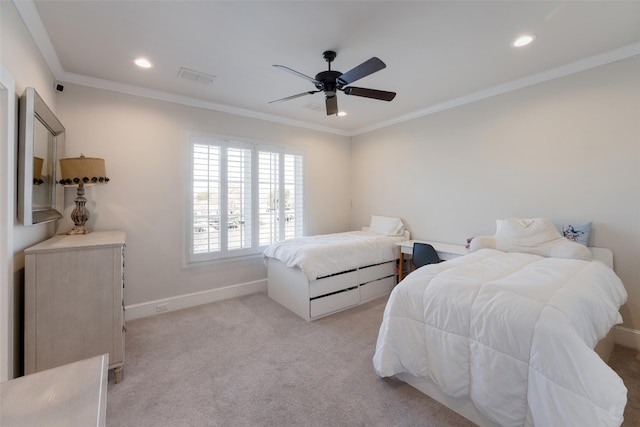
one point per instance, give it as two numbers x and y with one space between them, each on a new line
81 171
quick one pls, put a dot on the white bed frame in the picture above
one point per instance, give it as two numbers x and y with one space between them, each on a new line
318 298
464 406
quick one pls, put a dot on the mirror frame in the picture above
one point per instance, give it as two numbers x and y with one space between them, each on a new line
33 108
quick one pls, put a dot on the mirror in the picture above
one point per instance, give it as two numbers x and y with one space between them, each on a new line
41 143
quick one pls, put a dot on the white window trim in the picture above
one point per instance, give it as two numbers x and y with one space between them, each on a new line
194 260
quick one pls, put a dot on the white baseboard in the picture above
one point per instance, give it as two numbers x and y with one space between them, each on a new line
151 308
627 337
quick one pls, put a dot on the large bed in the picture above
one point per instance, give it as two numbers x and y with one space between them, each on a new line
506 335
319 275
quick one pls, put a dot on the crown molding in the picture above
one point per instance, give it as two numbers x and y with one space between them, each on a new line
551 74
29 14
31 18
93 82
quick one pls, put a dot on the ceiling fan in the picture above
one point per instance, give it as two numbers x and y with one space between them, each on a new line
331 81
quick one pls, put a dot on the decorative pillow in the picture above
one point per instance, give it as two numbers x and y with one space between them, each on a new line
386 226
468 245
537 236
575 231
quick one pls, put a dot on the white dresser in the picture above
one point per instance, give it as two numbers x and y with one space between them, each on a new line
74 300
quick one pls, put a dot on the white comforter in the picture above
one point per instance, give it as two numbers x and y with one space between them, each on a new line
513 332
327 254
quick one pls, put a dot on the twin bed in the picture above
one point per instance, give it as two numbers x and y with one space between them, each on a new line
505 335
319 275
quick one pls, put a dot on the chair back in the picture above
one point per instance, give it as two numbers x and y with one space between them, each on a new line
423 254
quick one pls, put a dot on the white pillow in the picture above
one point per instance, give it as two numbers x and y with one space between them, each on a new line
386 226
537 236
528 232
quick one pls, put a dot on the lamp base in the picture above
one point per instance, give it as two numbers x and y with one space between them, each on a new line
79 229
80 214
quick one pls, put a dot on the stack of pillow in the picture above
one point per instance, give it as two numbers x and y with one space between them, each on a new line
539 236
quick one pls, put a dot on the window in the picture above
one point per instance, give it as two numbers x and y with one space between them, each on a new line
244 197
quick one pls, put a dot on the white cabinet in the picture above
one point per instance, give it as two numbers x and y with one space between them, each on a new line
74 300
69 395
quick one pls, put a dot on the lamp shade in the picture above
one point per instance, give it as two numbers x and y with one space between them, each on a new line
83 170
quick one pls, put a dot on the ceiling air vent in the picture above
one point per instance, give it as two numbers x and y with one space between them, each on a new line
314 106
196 76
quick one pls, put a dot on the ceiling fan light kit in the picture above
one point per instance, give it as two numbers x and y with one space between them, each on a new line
331 81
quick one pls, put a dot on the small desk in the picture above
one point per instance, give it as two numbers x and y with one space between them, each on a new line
68 395
445 251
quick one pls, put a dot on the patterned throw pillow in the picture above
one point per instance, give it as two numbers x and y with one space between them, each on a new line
576 231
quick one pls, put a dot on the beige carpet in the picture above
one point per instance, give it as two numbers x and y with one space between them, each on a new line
250 362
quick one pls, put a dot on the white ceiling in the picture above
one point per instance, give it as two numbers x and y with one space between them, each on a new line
438 54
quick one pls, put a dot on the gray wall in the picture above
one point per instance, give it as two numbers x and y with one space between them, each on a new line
142 144
21 59
567 149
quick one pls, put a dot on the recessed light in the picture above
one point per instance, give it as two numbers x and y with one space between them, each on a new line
142 63
341 113
523 40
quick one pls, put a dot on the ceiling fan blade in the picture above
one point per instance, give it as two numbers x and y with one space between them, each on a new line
289 70
332 105
370 93
311 92
367 67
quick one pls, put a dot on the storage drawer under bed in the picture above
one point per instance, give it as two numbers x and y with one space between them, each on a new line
335 302
377 288
375 272
318 298
331 284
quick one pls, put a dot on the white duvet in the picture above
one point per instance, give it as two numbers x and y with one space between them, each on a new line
513 332
327 254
